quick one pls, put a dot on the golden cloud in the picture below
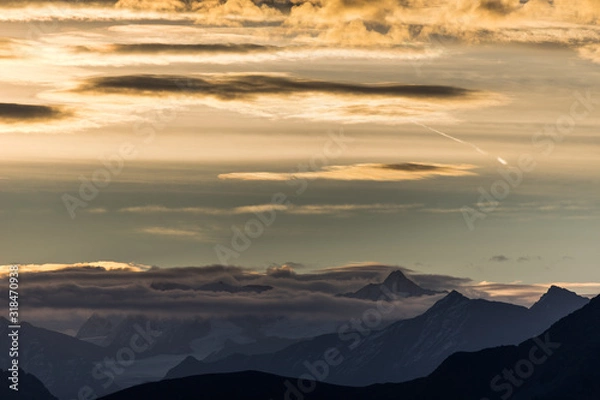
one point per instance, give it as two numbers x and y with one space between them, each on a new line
362 172
107 265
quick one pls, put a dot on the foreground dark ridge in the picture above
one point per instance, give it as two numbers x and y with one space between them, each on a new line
30 387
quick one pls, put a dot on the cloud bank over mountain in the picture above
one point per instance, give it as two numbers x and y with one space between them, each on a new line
286 290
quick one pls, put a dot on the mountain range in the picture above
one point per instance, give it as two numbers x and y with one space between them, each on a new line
406 349
560 363
401 351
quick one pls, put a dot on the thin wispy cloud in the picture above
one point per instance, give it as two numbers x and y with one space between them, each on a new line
337 209
208 48
172 52
173 232
523 259
499 258
308 209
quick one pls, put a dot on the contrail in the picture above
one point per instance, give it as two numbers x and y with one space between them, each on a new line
477 148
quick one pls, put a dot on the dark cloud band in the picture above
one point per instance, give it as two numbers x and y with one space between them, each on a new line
209 48
13 112
412 167
234 87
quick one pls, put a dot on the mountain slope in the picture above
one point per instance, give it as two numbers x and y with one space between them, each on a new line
561 363
97 329
61 362
557 301
166 336
197 336
402 351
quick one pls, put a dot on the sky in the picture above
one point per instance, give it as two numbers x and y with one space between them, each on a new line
452 139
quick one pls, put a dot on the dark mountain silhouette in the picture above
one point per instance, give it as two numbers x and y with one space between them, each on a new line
183 336
61 362
248 385
65 364
396 283
402 351
97 329
560 364
168 336
30 387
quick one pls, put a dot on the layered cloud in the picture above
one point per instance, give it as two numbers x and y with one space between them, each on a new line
353 22
133 44
189 291
362 172
112 287
259 32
